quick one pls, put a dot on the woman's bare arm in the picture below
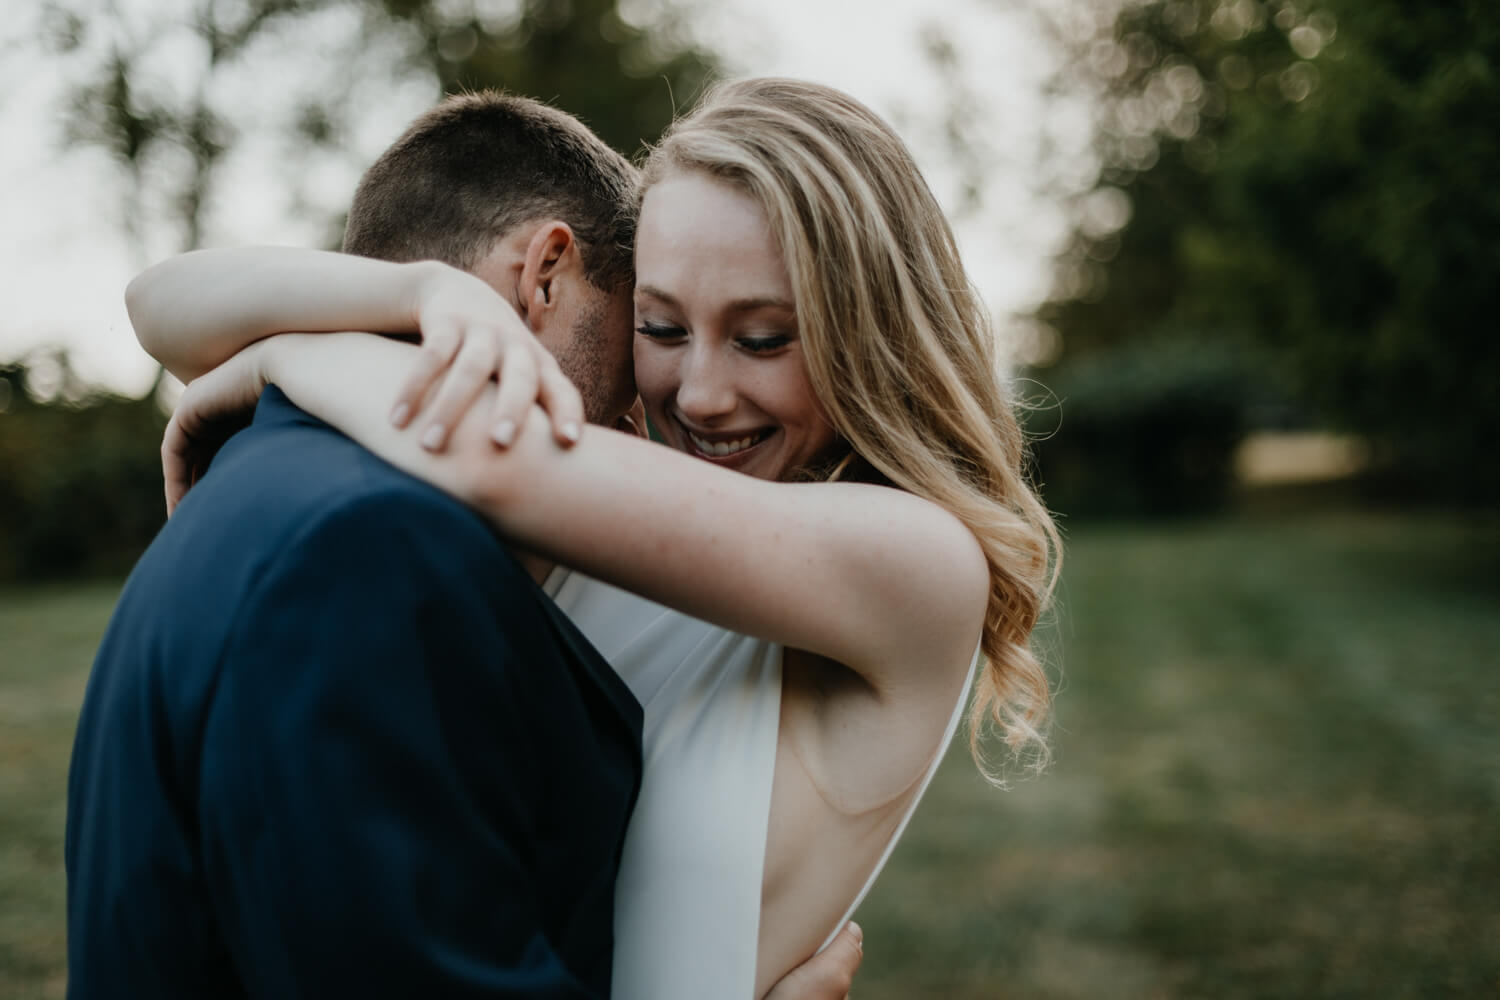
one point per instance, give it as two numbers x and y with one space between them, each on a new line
193 312
876 579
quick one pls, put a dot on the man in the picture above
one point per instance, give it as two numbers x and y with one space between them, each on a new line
336 741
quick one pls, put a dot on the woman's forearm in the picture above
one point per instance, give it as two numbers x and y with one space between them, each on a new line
349 380
843 570
194 311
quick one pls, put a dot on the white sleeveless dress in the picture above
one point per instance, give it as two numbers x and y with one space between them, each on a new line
687 900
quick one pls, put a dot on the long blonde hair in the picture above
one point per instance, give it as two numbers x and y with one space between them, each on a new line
898 345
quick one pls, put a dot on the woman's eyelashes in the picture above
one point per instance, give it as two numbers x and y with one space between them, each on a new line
758 343
661 331
763 344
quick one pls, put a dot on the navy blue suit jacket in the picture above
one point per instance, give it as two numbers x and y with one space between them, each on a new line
337 743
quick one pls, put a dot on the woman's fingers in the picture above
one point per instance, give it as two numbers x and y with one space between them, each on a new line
176 464
470 369
560 398
440 344
211 408
458 358
519 386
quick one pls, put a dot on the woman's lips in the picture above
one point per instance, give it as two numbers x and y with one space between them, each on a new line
732 451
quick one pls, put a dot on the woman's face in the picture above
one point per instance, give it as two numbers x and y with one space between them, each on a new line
718 360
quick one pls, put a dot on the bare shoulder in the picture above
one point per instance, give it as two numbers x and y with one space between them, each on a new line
924 563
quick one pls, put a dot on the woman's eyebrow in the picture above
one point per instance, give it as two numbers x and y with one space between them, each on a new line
655 293
735 305
760 302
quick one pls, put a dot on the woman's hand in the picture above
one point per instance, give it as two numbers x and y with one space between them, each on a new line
469 335
212 407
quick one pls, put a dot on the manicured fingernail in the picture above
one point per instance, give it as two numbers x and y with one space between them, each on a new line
433 439
571 431
399 414
504 433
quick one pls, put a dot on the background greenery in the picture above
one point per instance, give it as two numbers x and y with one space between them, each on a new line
1308 182
1275 777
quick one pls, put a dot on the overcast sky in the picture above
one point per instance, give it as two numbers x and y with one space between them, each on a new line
64 262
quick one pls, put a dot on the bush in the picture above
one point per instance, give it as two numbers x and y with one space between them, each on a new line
80 481
1149 429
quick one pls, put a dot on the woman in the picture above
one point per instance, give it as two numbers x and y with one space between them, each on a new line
803 317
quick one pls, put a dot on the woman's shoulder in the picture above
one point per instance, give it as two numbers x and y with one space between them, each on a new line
920 547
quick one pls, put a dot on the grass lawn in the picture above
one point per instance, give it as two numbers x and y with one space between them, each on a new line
47 641
1277 775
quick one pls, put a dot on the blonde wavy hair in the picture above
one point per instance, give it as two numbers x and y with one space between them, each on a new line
898 347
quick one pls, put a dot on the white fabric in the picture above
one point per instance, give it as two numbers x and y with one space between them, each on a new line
687 901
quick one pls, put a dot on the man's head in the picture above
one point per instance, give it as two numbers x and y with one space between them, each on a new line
527 198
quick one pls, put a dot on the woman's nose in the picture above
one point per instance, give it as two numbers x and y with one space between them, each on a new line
707 390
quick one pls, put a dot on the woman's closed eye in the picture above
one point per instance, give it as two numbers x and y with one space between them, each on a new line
763 344
661 331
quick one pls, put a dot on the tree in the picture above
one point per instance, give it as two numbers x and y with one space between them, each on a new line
1314 180
80 474
175 98
173 91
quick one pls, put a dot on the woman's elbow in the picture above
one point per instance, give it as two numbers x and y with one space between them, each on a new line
137 307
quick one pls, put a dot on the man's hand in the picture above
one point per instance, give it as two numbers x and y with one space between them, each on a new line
469 336
828 974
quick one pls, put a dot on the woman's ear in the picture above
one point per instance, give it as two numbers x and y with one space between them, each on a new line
551 260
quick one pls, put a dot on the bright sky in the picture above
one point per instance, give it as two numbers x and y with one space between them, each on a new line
64 261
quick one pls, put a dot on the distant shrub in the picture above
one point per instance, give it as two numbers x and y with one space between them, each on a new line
1150 429
80 481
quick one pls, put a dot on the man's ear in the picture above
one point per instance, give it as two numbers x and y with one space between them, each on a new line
552 260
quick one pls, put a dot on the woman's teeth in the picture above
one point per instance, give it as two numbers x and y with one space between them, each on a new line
719 449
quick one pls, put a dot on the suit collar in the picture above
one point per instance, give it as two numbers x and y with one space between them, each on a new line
275 410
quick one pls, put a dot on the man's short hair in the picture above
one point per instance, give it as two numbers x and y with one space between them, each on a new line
476 166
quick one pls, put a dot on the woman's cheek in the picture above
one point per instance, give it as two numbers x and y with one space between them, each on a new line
653 377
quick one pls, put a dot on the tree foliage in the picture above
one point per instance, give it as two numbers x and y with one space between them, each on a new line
172 90
1314 178
80 475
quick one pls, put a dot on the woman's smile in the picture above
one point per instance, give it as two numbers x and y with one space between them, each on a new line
728 448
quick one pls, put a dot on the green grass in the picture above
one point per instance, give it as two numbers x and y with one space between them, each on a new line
1277 775
47 641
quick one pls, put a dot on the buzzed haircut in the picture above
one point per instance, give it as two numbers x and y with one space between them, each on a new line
476 166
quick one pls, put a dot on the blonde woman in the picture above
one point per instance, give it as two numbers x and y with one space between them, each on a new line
803 622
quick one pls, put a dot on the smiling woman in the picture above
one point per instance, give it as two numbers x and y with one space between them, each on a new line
718 359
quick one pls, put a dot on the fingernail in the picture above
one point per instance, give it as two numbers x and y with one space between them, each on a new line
433 439
504 433
399 414
571 431
859 935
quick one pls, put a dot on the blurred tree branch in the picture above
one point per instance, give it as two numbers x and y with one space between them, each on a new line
170 92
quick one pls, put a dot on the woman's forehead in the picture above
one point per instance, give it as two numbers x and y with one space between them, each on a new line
695 231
